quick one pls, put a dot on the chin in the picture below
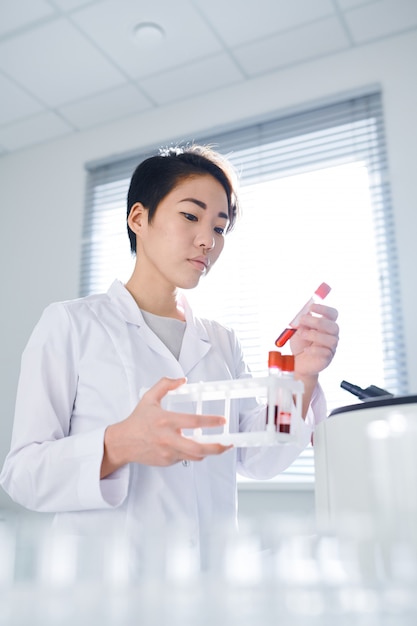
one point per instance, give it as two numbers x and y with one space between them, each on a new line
189 284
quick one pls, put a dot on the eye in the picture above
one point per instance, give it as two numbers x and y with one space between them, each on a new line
220 230
190 217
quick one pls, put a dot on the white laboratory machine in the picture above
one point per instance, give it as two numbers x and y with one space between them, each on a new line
366 465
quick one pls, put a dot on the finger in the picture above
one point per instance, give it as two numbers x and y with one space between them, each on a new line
191 421
319 339
161 388
327 311
322 324
191 450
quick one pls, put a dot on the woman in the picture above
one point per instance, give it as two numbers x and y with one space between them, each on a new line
88 443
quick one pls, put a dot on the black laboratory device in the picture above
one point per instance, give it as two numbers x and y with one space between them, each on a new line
370 392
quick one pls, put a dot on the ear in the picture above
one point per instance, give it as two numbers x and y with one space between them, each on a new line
138 217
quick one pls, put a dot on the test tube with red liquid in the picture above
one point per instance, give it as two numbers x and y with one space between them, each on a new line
286 401
274 369
321 292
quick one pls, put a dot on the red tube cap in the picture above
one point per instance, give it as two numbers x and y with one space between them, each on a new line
288 362
274 359
323 290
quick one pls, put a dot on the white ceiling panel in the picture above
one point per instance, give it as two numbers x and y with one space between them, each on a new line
57 64
105 107
239 22
380 19
15 103
68 65
33 130
317 39
110 25
345 5
20 13
196 78
70 5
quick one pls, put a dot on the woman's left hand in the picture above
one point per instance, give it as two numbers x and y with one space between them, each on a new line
315 342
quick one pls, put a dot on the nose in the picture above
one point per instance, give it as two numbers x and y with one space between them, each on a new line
205 240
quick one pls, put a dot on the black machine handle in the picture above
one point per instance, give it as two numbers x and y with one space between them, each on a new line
363 394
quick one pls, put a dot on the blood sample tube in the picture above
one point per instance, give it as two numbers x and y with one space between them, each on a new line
274 369
286 401
321 292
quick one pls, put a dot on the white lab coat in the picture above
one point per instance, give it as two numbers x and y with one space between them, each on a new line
84 367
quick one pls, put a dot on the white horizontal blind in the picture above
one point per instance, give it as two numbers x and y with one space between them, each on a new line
316 207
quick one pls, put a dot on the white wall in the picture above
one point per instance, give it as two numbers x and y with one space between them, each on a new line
42 189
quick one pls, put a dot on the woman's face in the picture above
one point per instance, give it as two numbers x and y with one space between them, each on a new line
186 235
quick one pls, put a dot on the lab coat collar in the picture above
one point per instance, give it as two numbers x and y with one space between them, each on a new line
196 342
125 303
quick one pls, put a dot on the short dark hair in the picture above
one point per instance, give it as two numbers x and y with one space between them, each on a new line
156 177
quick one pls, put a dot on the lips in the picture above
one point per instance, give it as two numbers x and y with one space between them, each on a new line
201 263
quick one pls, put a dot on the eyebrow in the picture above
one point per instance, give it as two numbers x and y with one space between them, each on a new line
203 205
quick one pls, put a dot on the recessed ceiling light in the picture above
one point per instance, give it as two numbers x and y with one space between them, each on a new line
148 33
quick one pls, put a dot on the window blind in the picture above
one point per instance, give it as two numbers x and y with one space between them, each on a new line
316 207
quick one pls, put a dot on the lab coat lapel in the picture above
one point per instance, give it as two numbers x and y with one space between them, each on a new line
196 342
153 342
126 343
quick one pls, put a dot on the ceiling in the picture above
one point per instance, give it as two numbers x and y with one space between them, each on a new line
69 65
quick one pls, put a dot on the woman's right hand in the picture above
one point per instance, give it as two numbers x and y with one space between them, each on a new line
153 436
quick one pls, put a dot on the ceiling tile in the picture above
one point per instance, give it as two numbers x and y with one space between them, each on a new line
110 25
240 22
192 79
70 5
380 19
15 15
78 59
57 64
301 44
15 103
351 4
105 107
34 130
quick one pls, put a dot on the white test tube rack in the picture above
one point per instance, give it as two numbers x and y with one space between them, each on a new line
228 390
